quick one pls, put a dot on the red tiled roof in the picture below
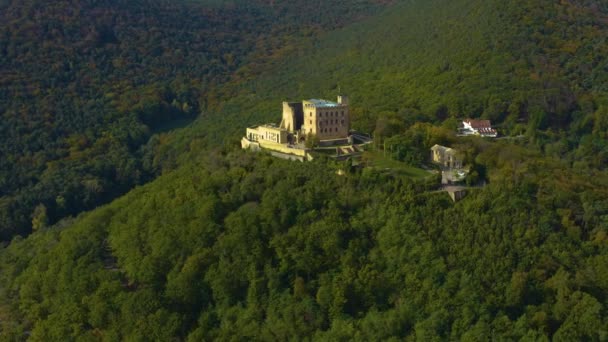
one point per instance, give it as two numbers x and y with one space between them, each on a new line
478 124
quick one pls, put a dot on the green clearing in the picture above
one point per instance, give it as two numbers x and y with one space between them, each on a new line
378 160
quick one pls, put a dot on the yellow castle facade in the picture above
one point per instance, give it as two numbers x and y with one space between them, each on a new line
326 121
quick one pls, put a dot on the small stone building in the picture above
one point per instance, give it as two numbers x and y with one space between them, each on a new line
446 157
456 193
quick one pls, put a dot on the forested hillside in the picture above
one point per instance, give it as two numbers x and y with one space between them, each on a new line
533 67
246 247
230 245
85 84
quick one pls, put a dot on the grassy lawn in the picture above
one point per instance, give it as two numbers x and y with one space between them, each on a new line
379 161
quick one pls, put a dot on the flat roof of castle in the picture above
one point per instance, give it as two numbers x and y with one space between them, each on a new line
267 125
323 103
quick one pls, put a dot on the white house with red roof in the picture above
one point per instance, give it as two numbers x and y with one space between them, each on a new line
478 127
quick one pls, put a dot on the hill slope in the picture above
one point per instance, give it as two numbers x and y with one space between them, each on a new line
248 247
528 65
85 84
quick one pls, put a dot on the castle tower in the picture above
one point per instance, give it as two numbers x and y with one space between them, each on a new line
293 116
288 121
327 120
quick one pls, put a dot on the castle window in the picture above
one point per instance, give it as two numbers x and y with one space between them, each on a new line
310 113
342 122
311 122
342 113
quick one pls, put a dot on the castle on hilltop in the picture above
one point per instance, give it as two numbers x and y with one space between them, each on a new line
326 120
319 125
323 123
320 119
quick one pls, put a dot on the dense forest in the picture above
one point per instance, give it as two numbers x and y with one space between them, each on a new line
223 244
85 85
242 247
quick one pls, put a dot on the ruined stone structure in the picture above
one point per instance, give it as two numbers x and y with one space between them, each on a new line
446 157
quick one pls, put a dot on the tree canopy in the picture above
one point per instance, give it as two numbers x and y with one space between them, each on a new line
141 109
252 247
